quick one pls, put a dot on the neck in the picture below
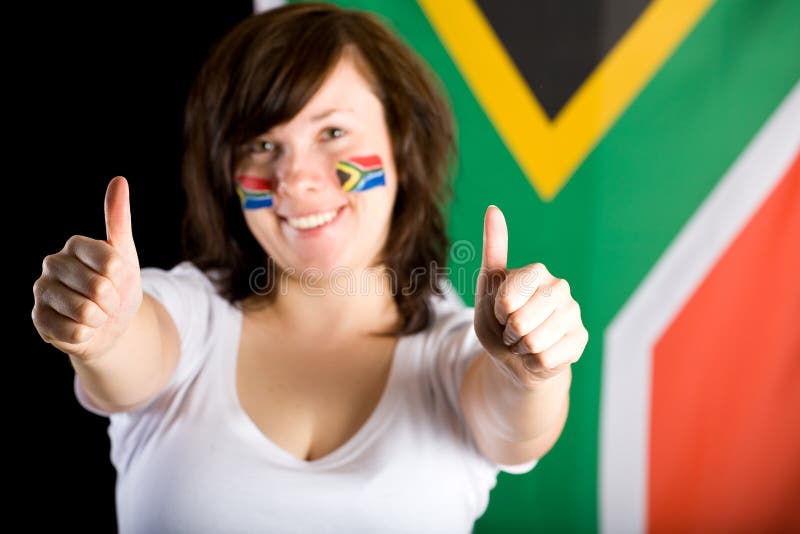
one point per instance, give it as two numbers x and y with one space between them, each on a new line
344 303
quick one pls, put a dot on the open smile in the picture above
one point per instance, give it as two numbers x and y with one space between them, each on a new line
314 220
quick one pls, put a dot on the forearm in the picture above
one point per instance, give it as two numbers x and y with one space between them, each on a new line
134 369
513 424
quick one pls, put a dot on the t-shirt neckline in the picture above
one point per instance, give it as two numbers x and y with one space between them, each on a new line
346 451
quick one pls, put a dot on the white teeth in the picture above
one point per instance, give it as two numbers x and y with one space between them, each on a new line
311 221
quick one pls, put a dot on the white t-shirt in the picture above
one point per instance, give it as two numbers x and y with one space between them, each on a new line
193 461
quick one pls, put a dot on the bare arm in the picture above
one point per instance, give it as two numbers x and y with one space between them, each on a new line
512 424
138 366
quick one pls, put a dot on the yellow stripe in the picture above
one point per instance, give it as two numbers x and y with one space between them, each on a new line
549 152
354 174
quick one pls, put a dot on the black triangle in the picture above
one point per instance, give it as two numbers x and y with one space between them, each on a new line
557 44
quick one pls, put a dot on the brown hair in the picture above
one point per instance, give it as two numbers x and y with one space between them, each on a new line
262 74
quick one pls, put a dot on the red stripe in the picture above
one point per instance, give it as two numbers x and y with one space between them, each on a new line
254 183
725 424
368 163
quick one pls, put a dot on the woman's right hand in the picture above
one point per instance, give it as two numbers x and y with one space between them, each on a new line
90 291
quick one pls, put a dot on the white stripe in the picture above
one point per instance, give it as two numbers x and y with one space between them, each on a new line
629 340
260 6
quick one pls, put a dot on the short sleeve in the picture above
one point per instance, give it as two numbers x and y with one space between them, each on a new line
455 346
519 469
186 294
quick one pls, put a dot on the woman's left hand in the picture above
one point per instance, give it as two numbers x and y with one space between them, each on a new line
525 318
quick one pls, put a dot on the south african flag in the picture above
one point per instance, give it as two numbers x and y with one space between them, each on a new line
254 192
360 173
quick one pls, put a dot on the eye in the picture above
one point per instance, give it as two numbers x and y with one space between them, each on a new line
332 133
261 146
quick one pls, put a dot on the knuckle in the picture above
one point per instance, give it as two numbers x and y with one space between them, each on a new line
539 269
563 286
541 359
78 334
111 264
36 314
85 311
524 282
99 287
572 310
529 270
108 302
548 360
535 343
72 243
48 263
39 289
40 328
504 301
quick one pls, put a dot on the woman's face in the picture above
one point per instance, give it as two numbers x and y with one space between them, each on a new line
342 120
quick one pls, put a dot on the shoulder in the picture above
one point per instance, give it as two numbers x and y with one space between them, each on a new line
449 314
185 275
184 282
190 297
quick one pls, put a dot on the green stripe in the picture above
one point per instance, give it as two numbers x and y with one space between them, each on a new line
620 211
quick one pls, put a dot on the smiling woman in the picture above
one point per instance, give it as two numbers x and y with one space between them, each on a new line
376 92
247 389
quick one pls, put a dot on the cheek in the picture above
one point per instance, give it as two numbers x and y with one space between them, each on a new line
263 227
254 191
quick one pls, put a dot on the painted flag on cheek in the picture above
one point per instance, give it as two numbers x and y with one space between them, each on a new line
360 173
254 192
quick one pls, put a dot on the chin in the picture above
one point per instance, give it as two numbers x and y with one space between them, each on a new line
319 266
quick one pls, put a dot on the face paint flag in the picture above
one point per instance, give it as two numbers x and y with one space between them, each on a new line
649 153
360 173
254 192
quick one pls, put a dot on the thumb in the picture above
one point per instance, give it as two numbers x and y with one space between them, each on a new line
118 217
495 240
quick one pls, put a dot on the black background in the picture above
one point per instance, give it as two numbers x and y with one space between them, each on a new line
91 93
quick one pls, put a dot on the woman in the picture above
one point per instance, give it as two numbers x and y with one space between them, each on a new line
303 372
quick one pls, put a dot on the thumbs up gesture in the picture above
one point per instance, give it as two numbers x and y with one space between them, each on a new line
525 318
90 290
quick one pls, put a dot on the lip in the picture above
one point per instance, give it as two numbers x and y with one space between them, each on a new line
311 232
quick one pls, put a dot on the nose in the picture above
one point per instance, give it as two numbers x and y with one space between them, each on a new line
299 174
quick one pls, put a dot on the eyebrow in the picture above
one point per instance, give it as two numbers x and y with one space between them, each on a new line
316 118
322 115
